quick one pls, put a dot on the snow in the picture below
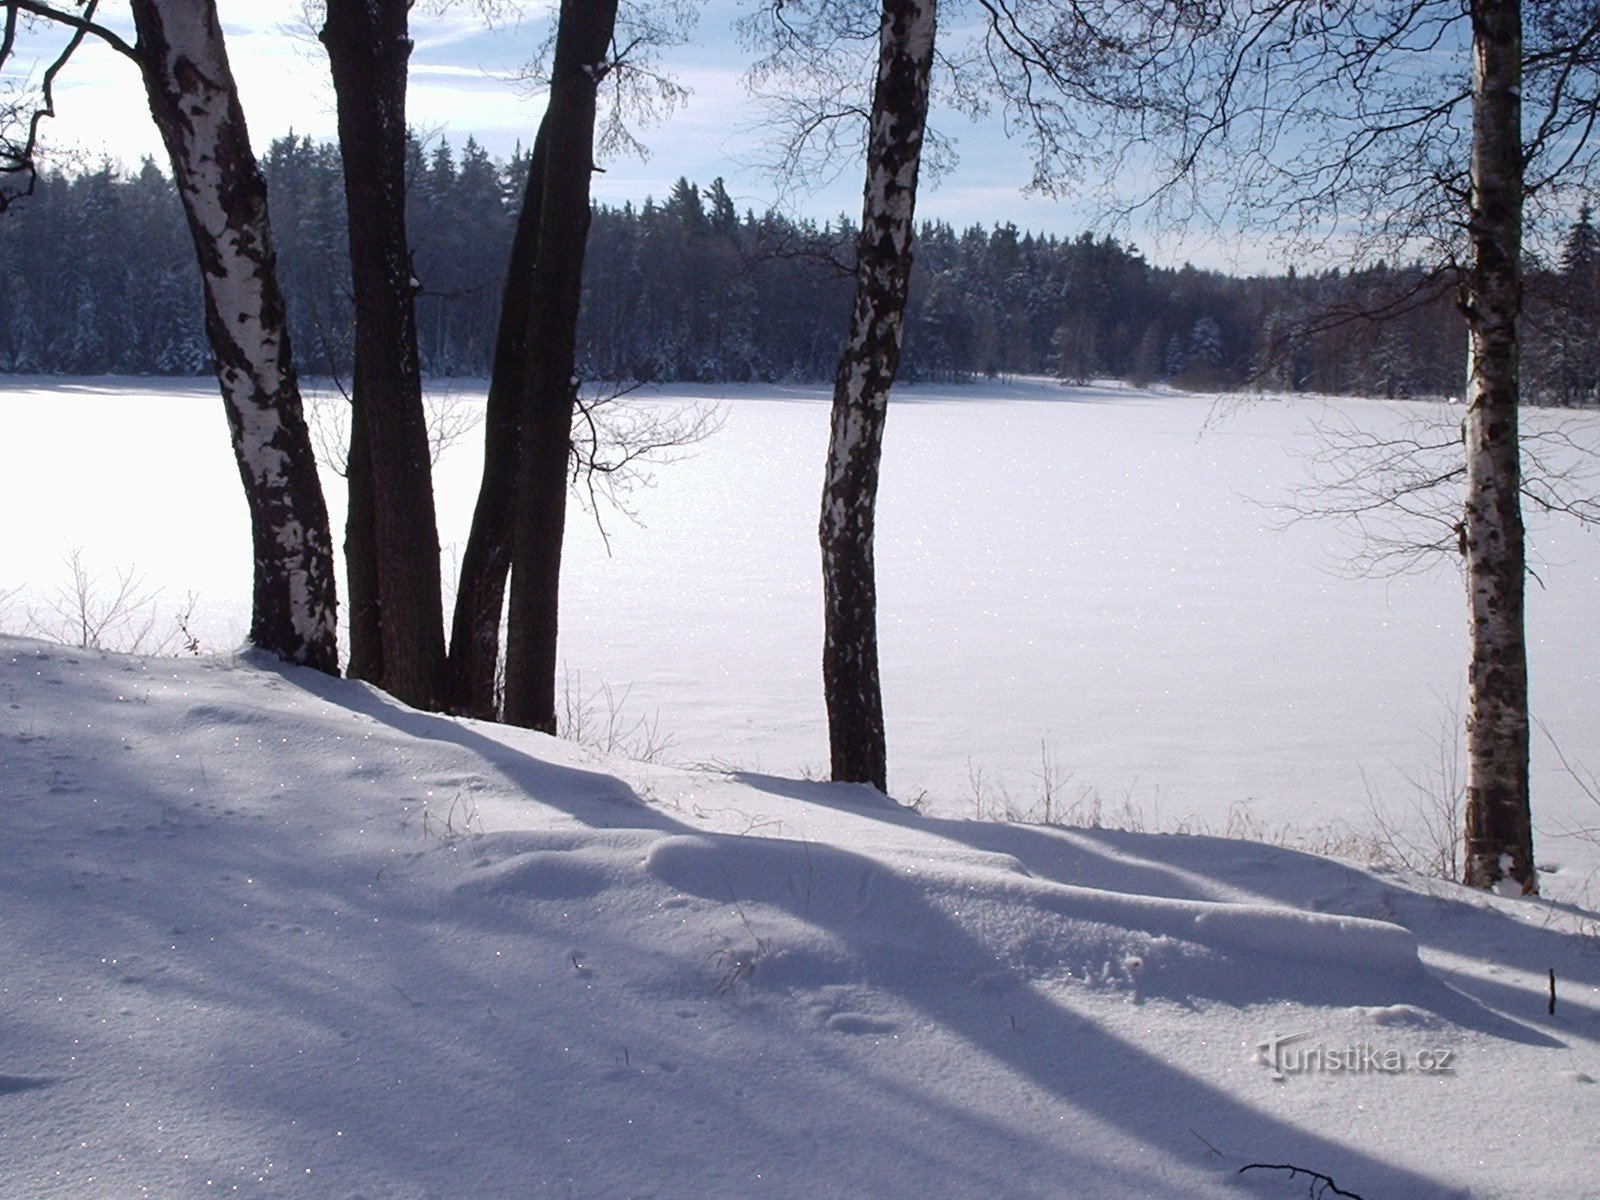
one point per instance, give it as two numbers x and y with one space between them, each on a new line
272 934
1088 584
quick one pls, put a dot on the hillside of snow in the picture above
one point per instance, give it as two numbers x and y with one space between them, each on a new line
271 934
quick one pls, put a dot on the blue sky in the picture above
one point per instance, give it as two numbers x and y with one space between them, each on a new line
464 81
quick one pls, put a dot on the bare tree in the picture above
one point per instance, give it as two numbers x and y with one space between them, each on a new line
599 70
1442 132
391 535
1499 843
24 107
861 394
1043 63
183 60
486 561
196 107
549 395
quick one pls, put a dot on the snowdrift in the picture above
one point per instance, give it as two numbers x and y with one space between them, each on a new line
267 933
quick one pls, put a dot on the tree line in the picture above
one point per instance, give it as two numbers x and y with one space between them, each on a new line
688 288
1303 116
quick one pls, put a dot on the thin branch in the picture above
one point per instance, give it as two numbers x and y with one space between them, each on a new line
84 25
1321 1185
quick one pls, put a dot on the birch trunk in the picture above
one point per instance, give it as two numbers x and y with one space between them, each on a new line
861 394
548 401
486 561
196 107
1499 838
392 533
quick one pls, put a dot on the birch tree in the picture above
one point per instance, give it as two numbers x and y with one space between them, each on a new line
861 387
1440 132
1046 65
196 107
1499 833
183 60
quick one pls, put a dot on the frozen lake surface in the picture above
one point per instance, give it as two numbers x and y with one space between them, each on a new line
1089 584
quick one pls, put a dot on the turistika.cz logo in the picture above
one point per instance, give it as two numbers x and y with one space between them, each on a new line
1284 1055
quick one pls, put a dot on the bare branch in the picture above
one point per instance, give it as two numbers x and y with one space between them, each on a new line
19 155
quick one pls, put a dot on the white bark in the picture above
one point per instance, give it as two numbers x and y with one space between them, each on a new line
861 392
1499 840
195 103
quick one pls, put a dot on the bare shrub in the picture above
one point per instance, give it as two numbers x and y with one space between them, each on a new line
599 719
119 615
450 416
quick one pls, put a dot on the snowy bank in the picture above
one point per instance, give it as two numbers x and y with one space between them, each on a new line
272 934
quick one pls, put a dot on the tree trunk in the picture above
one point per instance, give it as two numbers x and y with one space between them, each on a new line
486 561
549 387
368 48
1499 837
196 107
861 394
361 559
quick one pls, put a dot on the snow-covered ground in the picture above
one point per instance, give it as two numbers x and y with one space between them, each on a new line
1087 584
271 934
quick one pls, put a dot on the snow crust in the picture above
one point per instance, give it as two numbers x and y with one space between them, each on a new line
272 934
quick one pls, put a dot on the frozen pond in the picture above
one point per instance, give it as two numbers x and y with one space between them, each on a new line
1089 578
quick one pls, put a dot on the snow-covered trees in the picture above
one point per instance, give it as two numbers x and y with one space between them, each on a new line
745 297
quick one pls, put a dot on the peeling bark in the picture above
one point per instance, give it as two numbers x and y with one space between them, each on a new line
196 107
549 394
392 533
1499 837
861 394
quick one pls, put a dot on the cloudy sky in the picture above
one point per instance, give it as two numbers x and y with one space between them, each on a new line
464 81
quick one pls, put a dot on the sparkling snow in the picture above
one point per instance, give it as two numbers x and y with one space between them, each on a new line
270 934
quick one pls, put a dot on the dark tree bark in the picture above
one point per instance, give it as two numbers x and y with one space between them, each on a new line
549 389
361 558
486 561
195 104
392 532
861 394
1499 837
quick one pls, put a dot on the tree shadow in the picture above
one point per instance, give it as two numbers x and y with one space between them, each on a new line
1038 1037
1446 918
593 797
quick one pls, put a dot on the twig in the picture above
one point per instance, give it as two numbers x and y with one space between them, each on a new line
1321 1185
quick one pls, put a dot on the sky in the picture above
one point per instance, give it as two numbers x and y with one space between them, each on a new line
465 80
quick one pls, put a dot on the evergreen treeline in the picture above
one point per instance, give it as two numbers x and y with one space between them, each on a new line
97 276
